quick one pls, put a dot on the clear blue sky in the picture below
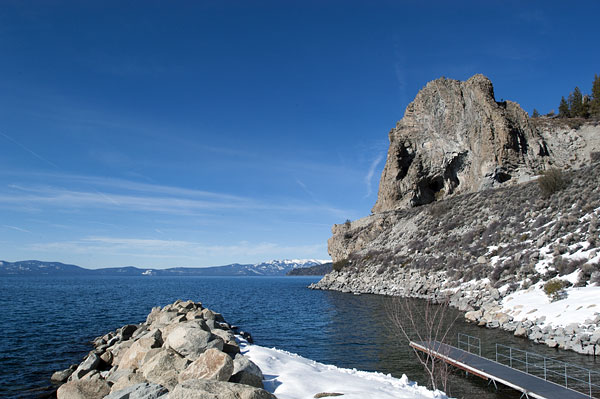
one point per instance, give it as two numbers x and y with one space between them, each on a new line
197 133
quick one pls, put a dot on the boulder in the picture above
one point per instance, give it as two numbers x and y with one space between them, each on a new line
246 372
520 331
83 389
572 328
230 345
119 350
474 315
140 391
107 357
113 340
62 375
153 315
127 379
211 365
141 330
90 363
208 314
194 314
191 341
137 351
162 318
493 324
207 389
127 331
503 318
163 368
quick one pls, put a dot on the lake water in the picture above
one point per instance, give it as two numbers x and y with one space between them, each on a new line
47 324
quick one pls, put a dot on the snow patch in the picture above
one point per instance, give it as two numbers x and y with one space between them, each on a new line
290 376
579 305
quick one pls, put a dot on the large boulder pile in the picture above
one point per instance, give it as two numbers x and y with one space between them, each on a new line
182 351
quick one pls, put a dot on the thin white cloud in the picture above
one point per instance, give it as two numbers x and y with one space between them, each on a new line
179 252
146 198
30 151
306 190
16 228
370 174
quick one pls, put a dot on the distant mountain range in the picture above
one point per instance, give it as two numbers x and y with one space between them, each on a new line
270 268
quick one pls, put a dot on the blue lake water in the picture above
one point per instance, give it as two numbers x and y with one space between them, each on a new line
47 324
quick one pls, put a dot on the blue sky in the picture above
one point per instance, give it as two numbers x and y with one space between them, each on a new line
163 134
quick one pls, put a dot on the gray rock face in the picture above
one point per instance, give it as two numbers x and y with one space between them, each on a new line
140 391
164 368
137 351
246 372
211 365
90 363
83 389
205 389
456 138
62 375
191 341
126 378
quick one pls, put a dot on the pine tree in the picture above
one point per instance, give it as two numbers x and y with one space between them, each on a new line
576 104
535 114
563 108
595 101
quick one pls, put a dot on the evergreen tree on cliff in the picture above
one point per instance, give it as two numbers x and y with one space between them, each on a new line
576 104
595 101
563 108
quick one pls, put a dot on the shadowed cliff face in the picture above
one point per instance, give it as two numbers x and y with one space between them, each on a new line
455 138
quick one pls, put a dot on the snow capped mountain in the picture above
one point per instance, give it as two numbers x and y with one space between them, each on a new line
269 268
281 267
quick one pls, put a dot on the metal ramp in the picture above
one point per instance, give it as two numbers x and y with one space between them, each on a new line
530 385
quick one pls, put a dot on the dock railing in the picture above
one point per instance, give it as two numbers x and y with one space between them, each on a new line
469 343
566 374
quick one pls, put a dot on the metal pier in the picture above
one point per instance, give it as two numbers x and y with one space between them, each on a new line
530 385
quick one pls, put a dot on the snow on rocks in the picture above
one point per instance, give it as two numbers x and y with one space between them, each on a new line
182 350
290 376
186 351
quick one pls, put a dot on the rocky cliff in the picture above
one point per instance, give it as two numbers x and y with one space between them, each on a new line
459 212
480 249
455 138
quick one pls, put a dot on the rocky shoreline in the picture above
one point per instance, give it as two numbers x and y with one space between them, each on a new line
480 302
182 350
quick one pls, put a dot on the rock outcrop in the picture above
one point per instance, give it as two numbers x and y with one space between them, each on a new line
182 350
455 138
480 247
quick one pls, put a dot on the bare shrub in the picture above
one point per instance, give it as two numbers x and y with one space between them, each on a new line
340 264
540 221
552 181
438 209
428 325
567 266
